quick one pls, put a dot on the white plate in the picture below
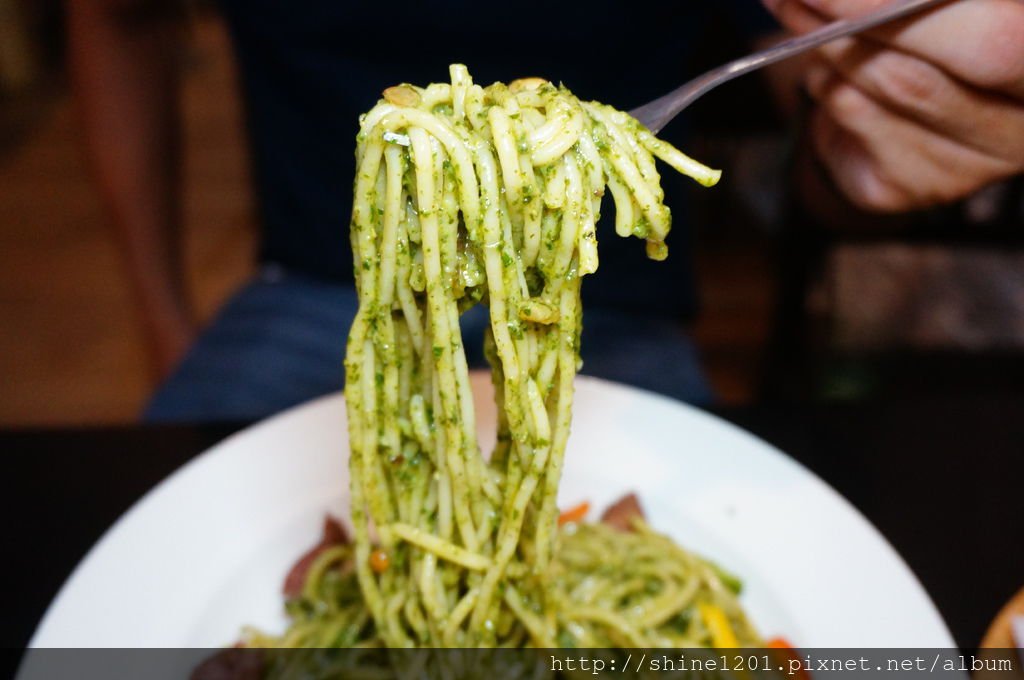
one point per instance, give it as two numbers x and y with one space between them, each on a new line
206 551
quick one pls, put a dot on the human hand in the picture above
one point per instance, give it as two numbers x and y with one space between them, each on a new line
921 112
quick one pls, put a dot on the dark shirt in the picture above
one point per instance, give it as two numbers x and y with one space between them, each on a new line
309 68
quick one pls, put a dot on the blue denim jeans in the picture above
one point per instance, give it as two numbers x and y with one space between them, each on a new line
280 341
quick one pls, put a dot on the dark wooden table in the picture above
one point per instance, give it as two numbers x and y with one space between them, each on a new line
941 479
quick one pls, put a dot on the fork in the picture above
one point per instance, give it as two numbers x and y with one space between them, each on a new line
658 113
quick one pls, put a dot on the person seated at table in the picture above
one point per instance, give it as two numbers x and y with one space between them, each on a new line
908 116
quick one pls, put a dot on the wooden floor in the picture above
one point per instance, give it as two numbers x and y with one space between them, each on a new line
70 351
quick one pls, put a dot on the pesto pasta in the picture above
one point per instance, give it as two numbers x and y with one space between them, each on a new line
469 195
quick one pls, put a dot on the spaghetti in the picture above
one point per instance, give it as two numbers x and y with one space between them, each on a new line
467 195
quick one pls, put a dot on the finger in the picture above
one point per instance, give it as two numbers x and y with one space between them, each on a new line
796 16
853 170
978 41
918 90
884 162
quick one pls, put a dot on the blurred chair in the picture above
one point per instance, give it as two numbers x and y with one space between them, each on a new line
19 63
930 304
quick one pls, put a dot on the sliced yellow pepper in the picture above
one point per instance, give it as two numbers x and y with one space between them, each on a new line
722 635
